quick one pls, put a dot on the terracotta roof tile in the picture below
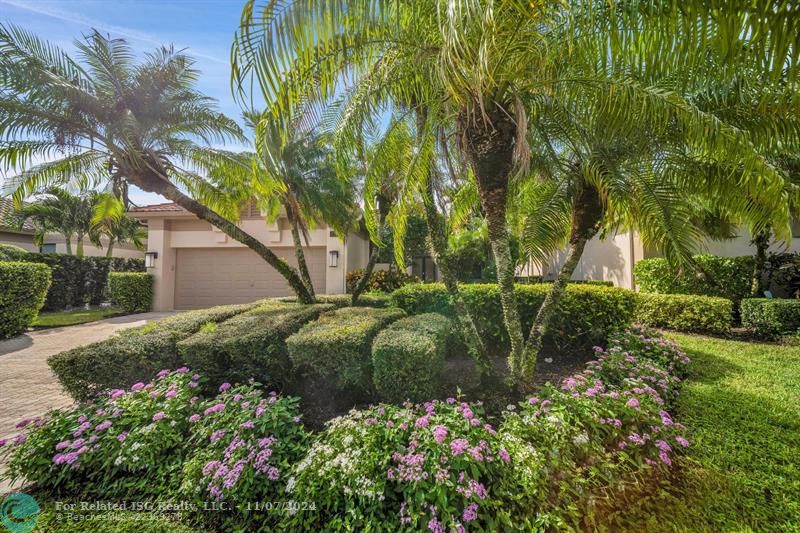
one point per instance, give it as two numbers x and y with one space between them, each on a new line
7 219
157 208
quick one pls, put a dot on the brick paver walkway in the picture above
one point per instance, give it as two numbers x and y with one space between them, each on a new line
27 386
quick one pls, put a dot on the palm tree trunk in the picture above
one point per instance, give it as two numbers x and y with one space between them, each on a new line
68 244
110 248
361 285
761 242
300 255
587 213
79 246
488 142
154 183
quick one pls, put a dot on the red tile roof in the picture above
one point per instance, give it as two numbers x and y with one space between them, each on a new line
157 208
7 220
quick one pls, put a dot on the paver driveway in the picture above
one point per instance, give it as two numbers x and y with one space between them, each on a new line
27 386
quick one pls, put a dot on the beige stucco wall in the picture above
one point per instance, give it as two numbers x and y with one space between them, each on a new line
89 249
24 241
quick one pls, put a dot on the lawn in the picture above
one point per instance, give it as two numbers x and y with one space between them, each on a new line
741 403
74 317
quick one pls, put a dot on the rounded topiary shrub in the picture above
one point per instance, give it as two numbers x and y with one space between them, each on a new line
408 356
23 287
133 291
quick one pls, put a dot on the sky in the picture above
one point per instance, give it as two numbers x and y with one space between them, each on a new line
204 27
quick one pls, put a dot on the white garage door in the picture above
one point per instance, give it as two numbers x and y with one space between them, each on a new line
212 276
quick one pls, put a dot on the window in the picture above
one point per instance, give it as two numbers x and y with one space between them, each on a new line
49 248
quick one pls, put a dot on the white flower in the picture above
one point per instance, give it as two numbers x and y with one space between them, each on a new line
581 439
290 483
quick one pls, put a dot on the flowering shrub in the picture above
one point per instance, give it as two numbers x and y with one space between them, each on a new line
129 443
242 448
388 467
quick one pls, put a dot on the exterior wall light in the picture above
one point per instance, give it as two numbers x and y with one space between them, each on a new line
333 258
150 259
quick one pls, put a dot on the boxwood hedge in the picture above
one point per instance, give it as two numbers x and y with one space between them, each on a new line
132 291
771 318
585 316
133 355
408 356
685 312
338 346
251 345
23 287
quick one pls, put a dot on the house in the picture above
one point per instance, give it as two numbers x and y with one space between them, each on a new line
197 265
10 233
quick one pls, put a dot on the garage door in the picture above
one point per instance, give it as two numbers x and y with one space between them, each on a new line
214 276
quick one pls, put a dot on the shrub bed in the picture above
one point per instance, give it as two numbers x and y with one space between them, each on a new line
380 281
134 355
23 288
338 346
408 356
585 316
345 300
132 291
251 345
771 318
685 312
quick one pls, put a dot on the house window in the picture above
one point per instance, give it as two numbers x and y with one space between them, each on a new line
49 248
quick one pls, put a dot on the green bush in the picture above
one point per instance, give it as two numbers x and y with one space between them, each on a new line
23 287
408 356
251 345
770 318
344 300
585 316
132 291
9 252
338 346
685 312
380 281
133 355
728 277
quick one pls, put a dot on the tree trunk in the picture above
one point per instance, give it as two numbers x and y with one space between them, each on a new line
301 256
761 242
361 285
487 139
110 248
587 213
68 244
154 183
79 246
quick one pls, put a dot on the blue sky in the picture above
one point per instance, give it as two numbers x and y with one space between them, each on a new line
204 27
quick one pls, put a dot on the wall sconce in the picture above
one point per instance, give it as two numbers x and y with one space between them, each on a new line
150 259
333 259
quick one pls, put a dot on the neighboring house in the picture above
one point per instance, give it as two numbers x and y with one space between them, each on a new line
197 265
613 258
10 233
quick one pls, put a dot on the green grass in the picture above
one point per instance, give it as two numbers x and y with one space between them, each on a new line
741 403
74 316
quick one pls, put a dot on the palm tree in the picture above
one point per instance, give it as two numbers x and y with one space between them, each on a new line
58 211
470 67
111 221
107 118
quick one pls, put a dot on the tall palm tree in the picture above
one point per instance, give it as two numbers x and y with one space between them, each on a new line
105 117
111 221
58 211
470 66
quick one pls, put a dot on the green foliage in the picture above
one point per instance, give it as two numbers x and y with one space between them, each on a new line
249 346
408 356
133 355
132 291
725 277
22 291
585 316
338 346
684 312
380 281
783 271
771 318
9 252
345 300
472 256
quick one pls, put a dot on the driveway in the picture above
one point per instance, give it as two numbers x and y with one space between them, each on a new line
27 386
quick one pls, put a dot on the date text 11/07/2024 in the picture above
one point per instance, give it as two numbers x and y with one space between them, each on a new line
291 506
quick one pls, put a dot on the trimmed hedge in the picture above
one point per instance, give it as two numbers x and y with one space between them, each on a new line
248 346
133 355
384 281
685 312
586 315
132 291
730 277
23 287
408 356
771 318
338 346
344 300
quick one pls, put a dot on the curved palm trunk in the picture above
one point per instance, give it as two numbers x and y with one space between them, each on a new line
761 241
587 213
363 281
488 143
110 249
301 256
154 183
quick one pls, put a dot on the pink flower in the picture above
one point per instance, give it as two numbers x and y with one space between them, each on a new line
504 455
439 433
273 474
224 387
122 436
158 416
422 422
137 386
171 393
470 512
458 446
182 370
194 418
248 425
163 373
664 456
153 393
63 444
435 526
195 377
103 426
217 435
682 441
633 402
370 421
116 393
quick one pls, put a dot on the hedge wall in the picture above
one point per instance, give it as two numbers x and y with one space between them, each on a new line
685 312
771 318
251 345
343 300
585 317
132 291
22 291
408 356
133 355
